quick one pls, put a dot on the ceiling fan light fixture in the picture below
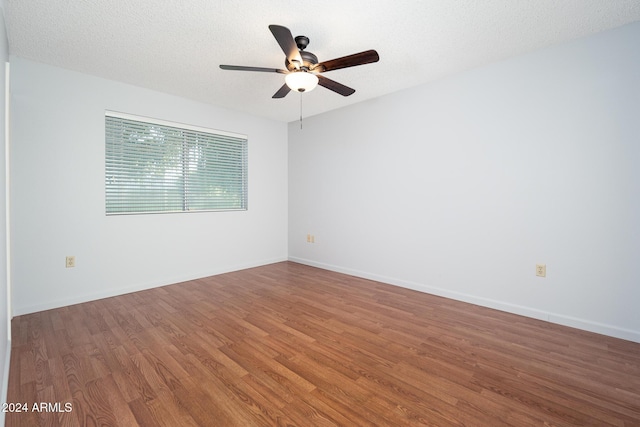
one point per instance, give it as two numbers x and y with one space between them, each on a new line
301 81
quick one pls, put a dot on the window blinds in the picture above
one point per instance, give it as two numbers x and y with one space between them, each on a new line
154 166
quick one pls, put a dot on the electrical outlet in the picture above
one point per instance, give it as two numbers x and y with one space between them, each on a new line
541 270
70 262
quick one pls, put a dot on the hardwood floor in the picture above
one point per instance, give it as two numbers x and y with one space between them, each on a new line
291 345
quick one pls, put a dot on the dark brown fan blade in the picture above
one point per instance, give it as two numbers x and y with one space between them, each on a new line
335 86
282 92
361 58
287 43
243 68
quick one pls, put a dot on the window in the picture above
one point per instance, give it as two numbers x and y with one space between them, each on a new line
154 166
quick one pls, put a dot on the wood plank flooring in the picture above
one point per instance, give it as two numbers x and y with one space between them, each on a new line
291 345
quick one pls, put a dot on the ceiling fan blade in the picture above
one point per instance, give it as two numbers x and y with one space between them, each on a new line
335 86
282 92
287 43
243 68
361 58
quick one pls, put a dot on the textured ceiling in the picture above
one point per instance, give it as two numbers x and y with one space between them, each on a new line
176 46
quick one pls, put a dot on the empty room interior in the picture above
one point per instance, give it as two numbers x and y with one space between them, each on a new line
438 226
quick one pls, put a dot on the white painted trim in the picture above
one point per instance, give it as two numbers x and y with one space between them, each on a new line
560 319
7 360
5 380
161 122
7 161
63 302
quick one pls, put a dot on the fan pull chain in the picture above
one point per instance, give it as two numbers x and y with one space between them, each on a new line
300 110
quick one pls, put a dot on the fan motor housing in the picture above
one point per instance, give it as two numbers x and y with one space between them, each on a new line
308 58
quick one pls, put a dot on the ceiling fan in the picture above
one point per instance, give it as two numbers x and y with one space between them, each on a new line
303 71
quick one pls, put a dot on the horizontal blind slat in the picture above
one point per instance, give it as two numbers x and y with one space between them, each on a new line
158 168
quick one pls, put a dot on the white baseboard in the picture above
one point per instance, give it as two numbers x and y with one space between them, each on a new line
557 318
66 301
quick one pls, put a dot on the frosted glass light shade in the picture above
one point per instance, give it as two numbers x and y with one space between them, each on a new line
301 81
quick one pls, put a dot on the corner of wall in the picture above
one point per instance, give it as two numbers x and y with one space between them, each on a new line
5 304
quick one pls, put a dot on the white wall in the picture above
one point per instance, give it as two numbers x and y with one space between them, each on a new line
460 187
58 207
5 337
